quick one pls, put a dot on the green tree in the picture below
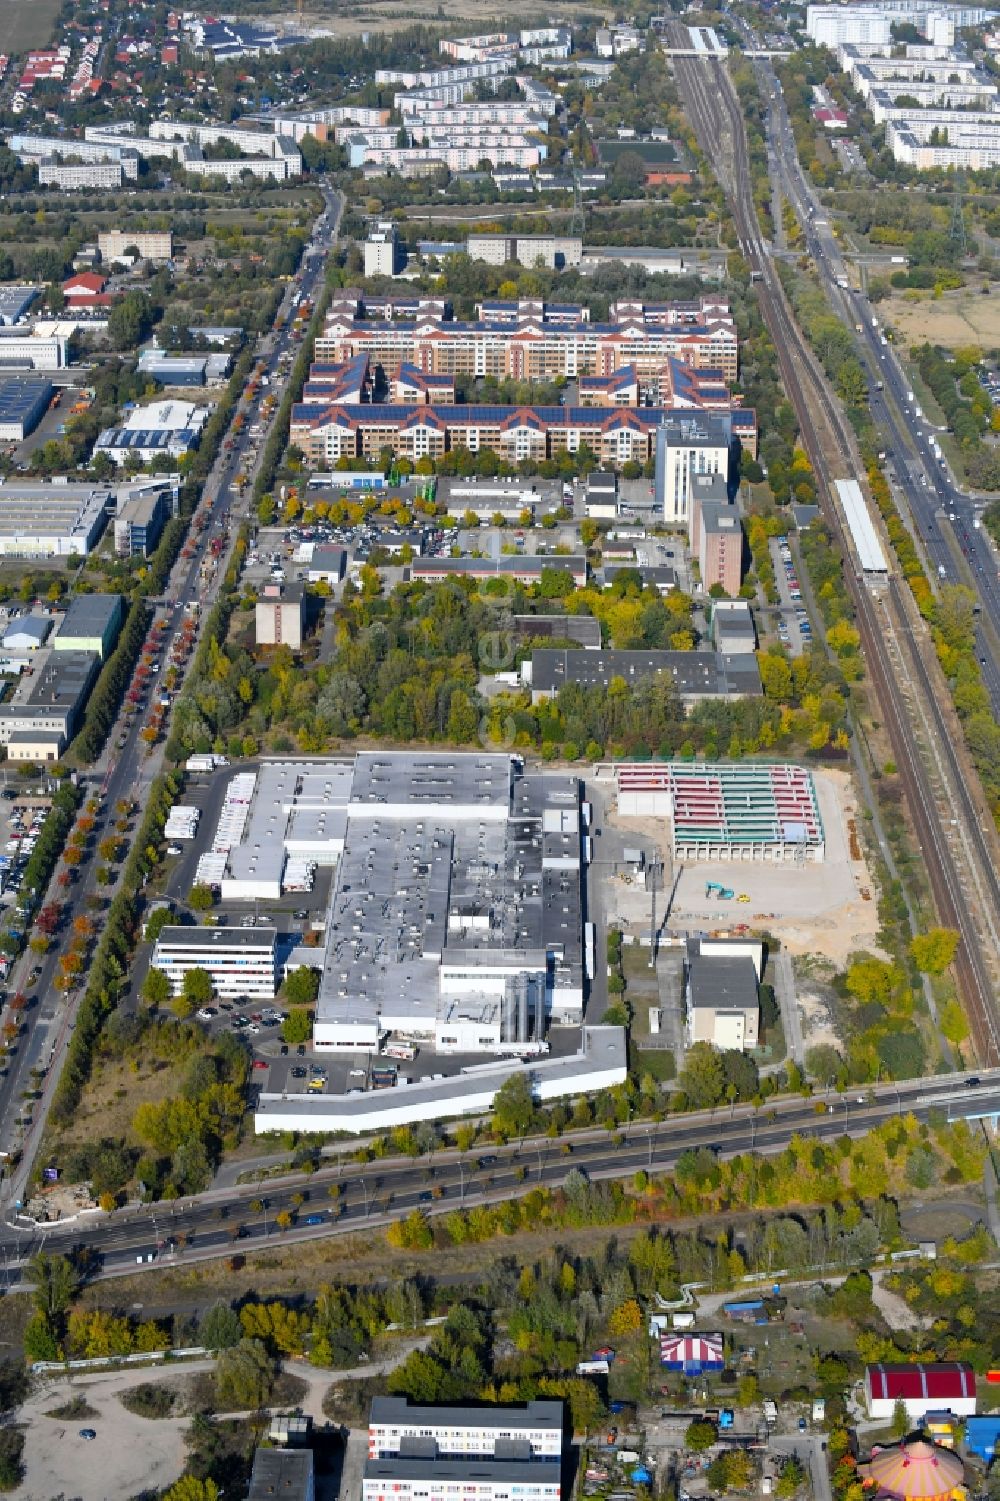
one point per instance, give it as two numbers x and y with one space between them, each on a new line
197 988
297 1027
156 988
301 987
200 898
220 1327
55 1281
514 1107
189 1488
700 1436
933 951
244 1376
791 1479
703 1077
900 1424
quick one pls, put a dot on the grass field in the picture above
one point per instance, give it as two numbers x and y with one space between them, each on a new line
953 320
387 15
25 24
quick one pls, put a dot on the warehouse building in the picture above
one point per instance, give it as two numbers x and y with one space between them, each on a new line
696 675
15 300
240 961
521 570
463 868
44 712
50 519
164 429
922 1387
91 624
38 349
184 369
23 404
721 996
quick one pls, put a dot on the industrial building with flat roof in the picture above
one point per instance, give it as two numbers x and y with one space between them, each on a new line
23 404
601 1062
91 623
15 300
455 915
50 518
42 716
741 810
697 675
168 428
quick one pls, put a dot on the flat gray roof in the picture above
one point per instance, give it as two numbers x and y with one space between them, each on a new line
281 1472
21 398
695 673
722 984
221 937
585 630
602 1047
60 679
400 1411
90 615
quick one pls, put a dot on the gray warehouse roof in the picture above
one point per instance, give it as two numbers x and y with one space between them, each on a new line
90 615
722 984
695 673
15 302
20 398
281 1472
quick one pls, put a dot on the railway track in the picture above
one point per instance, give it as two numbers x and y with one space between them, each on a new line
892 655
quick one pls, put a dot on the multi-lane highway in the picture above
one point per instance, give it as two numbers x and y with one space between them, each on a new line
243 1219
938 506
126 769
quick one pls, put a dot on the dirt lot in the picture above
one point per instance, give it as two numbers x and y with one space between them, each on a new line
813 908
142 1454
952 320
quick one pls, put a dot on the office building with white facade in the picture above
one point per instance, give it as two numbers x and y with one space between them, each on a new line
240 961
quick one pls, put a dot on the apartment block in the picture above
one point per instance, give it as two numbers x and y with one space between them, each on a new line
71 151
71 177
617 435
536 349
552 251
152 245
465 1432
280 615
685 448
384 253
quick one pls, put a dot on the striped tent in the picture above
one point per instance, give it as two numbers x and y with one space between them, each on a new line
914 1471
691 1353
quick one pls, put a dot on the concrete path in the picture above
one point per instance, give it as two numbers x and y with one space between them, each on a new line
791 1019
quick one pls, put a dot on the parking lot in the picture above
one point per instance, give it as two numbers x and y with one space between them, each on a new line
794 628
